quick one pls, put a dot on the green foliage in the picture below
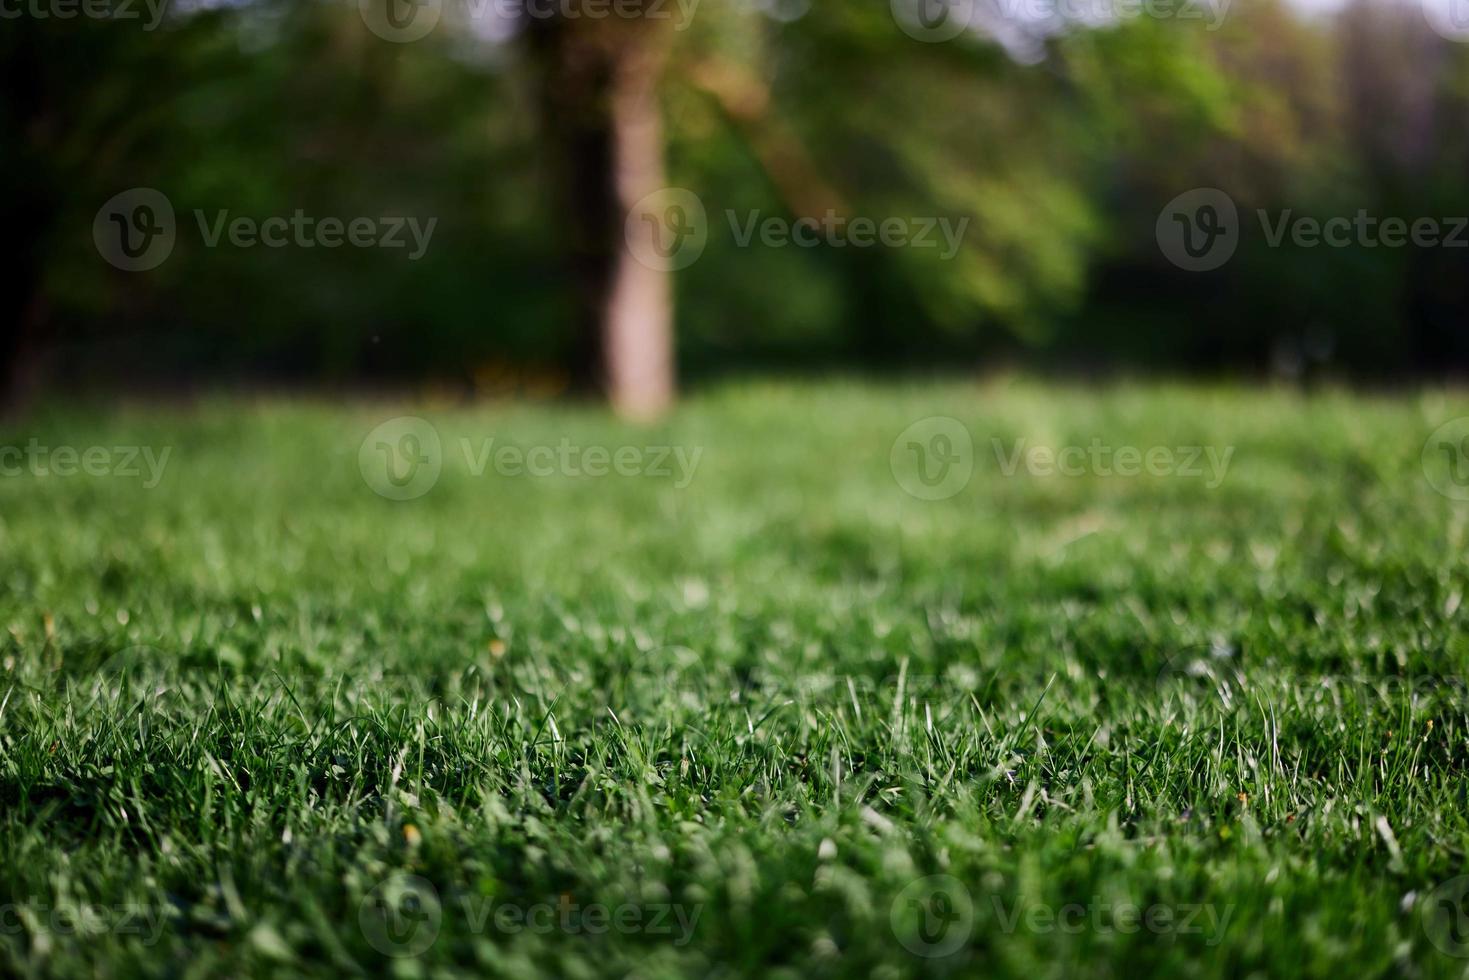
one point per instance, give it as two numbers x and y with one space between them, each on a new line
1060 168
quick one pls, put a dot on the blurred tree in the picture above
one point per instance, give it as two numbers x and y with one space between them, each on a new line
84 115
533 137
54 130
599 98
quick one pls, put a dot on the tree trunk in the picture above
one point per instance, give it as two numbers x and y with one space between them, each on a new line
638 314
600 113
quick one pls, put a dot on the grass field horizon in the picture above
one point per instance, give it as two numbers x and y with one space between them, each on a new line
1012 678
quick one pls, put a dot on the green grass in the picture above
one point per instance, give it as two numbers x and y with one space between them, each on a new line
261 720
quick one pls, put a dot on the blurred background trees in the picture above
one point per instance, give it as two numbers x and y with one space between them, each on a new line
1059 141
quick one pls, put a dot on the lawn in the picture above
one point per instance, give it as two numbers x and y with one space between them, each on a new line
796 684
